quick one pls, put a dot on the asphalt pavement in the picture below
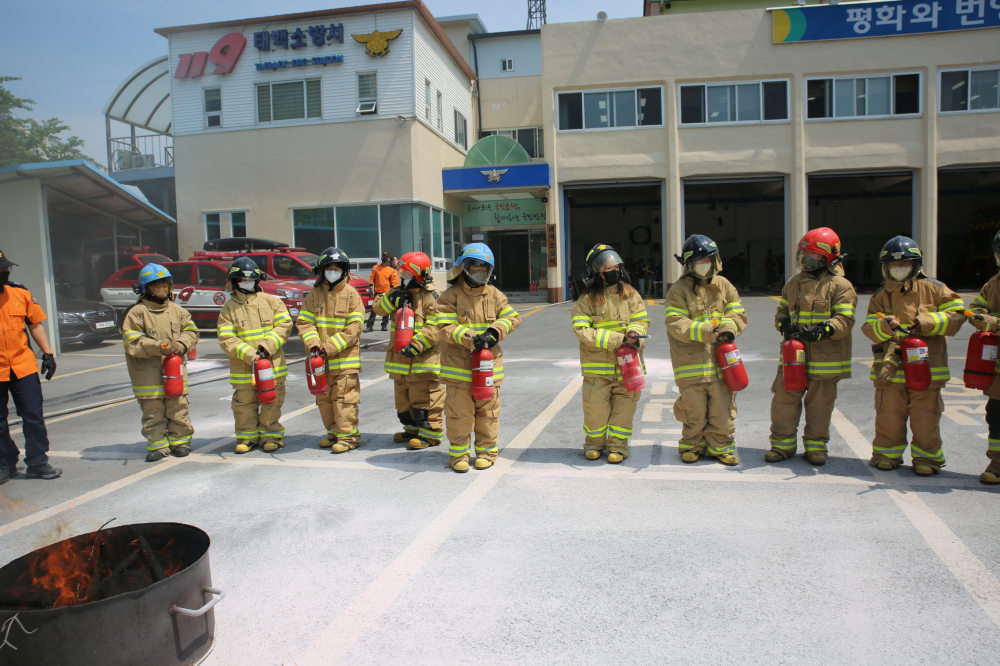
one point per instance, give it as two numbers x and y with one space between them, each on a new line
383 556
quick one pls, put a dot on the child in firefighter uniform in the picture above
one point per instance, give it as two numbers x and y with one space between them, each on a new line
330 322
416 369
608 315
817 307
702 308
472 314
986 310
254 325
152 329
909 298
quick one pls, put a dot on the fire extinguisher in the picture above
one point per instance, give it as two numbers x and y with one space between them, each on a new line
981 359
316 373
404 327
193 353
916 359
731 364
262 380
793 365
173 375
482 374
630 367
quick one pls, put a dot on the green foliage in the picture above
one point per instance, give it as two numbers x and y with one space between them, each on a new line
24 140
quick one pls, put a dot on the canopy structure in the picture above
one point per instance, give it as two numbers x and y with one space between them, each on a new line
143 98
496 149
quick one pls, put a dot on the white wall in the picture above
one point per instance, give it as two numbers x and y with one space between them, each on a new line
526 50
432 63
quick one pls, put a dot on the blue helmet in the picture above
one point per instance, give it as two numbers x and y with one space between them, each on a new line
476 263
152 273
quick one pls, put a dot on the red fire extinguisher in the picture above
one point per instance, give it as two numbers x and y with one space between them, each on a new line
630 368
404 328
173 375
981 359
316 373
263 380
793 365
482 374
193 353
731 364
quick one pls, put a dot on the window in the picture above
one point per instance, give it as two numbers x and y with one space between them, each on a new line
606 109
367 93
290 100
460 128
970 90
313 229
858 97
292 268
213 228
238 221
439 114
506 64
213 107
212 276
427 100
530 138
750 102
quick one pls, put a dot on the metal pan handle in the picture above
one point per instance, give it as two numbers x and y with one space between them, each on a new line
220 595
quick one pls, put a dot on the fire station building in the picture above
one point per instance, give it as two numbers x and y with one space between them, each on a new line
381 128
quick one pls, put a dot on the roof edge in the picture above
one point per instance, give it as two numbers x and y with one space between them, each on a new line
510 33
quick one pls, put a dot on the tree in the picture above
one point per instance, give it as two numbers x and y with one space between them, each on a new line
24 140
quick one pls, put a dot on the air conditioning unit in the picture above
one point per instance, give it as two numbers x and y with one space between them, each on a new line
122 159
138 162
150 160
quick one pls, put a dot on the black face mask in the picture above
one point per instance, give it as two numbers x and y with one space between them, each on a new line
611 277
4 278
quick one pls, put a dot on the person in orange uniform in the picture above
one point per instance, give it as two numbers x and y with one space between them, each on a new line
19 378
383 278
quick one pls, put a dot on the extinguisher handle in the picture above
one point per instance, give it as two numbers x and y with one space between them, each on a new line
904 329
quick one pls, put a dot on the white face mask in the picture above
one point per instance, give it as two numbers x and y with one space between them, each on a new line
702 269
248 285
333 275
899 274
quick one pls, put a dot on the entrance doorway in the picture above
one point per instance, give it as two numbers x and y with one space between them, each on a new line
968 218
746 219
520 260
866 210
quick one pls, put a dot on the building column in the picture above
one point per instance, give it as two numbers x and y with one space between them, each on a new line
797 183
673 193
925 182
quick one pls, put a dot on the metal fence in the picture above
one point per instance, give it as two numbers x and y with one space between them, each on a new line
142 152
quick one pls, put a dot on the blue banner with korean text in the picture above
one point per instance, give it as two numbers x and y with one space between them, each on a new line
882 19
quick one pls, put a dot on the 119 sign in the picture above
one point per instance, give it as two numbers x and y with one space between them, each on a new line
224 55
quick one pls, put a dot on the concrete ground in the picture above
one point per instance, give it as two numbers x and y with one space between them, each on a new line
383 556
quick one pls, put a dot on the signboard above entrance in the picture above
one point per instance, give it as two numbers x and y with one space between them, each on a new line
881 19
503 213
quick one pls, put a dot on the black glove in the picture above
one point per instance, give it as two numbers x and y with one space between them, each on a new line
492 338
727 336
481 341
784 325
409 352
262 352
815 333
48 365
395 298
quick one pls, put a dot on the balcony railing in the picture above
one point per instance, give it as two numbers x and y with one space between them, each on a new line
142 152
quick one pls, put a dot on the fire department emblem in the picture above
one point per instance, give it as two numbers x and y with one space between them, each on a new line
219 298
377 43
493 175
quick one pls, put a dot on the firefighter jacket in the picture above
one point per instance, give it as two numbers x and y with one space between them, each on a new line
249 321
937 309
427 364
464 312
825 297
988 303
147 325
332 319
602 328
691 305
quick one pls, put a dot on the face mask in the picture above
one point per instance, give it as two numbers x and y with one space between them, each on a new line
333 275
899 274
476 276
810 264
4 277
611 277
247 285
702 270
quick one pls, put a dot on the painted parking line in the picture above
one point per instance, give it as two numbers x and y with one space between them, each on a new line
355 620
80 372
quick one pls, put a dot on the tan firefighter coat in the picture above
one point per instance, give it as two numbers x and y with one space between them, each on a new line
464 312
602 330
692 304
427 364
827 297
146 326
937 309
988 303
332 319
249 321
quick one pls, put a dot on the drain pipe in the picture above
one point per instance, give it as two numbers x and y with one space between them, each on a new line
479 90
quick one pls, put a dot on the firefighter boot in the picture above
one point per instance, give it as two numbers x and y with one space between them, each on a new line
409 428
773 456
816 458
884 465
327 441
245 445
340 447
614 457
728 459
989 477
419 421
593 454
483 463
461 466
157 454
690 456
271 445
924 470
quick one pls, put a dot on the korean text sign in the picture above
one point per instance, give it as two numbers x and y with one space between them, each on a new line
882 19
492 213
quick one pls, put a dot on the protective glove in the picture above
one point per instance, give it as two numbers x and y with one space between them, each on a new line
48 365
815 333
480 341
263 353
409 351
726 336
984 322
395 298
784 325
178 348
492 338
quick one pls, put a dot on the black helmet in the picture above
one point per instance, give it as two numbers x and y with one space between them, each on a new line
332 256
244 269
901 248
598 256
696 247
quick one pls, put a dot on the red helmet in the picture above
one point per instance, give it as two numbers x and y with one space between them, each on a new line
416 264
824 241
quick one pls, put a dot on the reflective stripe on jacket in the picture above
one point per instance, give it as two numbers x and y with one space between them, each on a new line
464 312
427 364
147 325
602 330
937 306
332 319
249 321
691 305
828 298
988 302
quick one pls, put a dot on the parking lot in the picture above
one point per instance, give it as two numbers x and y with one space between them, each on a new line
384 556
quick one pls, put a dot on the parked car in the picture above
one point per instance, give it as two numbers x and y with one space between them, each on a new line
88 322
199 287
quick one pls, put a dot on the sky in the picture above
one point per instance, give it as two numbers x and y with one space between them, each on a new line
71 55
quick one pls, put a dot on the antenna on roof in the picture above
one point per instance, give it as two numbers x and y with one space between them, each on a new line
536 14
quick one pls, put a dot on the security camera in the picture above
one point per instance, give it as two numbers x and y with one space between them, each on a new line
545 199
602 16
